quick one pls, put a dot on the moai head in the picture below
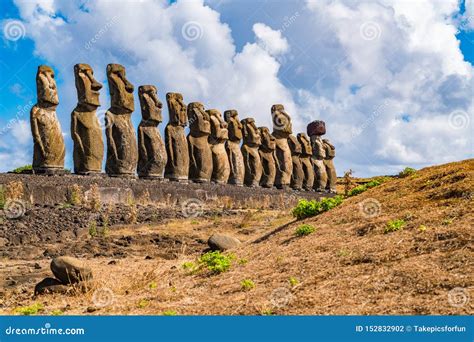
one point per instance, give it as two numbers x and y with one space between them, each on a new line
198 119
234 125
87 86
46 90
176 109
294 145
281 120
150 104
316 128
219 132
121 90
250 133
306 149
268 140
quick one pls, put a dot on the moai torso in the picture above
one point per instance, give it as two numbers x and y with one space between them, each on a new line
306 163
251 143
200 155
297 175
122 149
177 166
267 152
49 149
219 135
281 130
236 160
319 154
85 127
151 148
329 164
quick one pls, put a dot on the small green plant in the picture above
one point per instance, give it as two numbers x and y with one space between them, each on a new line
304 229
394 225
293 281
364 187
76 195
194 222
343 252
169 313
267 312
30 310
65 206
23 169
422 228
247 284
93 229
306 208
447 222
190 266
143 303
56 312
216 262
2 197
408 171
243 261
153 285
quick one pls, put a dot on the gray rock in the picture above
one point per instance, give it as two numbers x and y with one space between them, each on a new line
222 242
50 285
70 270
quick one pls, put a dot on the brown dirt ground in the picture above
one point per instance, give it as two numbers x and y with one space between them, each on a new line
347 266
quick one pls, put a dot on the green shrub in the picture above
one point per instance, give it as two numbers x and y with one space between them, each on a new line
293 281
216 262
247 284
306 208
304 229
364 187
22 169
169 313
30 310
394 225
406 172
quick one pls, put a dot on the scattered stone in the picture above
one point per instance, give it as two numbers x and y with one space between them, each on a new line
222 242
91 309
148 257
50 285
37 266
112 262
70 270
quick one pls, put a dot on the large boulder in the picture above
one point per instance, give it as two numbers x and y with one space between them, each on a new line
50 285
222 242
70 270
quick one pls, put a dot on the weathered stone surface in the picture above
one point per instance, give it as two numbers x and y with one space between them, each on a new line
219 135
85 127
221 242
305 157
316 127
49 149
236 160
319 154
70 270
251 143
267 156
297 175
51 285
177 166
122 149
329 164
281 130
151 148
200 155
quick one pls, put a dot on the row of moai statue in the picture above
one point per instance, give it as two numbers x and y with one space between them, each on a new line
221 149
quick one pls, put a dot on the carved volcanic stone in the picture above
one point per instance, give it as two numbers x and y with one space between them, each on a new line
252 162
281 130
49 149
236 160
200 155
305 157
297 176
151 148
319 154
85 127
219 135
122 149
267 152
329 164
177 166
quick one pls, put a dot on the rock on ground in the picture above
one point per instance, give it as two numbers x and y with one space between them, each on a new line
222 242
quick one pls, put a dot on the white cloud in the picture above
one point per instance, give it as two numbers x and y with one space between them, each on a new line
270 40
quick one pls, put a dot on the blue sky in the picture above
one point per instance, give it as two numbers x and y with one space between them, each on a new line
393 82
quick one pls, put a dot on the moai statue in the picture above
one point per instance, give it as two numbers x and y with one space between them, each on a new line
315 130
281 131
177 167
236 160
297 176
267 157
329 164
217 139
151 148
85 127
251 143
122 149
305 157
200 155
49 149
